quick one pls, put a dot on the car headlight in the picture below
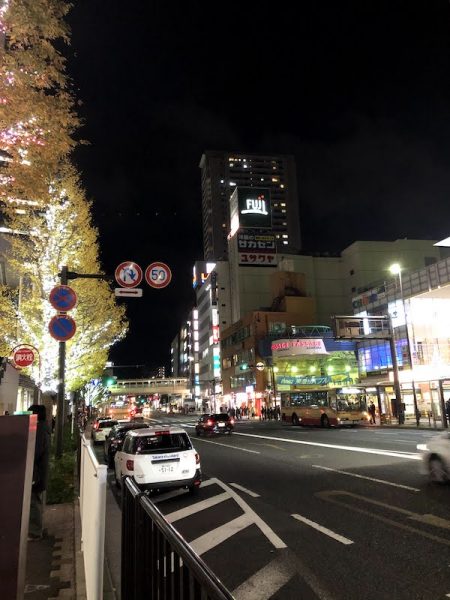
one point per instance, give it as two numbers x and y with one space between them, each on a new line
422 447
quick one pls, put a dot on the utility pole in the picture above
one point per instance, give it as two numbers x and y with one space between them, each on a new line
397 390
65 276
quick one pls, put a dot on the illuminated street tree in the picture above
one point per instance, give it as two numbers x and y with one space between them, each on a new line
46 214
62 234
37 118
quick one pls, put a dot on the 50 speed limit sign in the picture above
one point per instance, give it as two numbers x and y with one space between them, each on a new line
158 275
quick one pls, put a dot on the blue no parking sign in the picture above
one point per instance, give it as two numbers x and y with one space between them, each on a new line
62 327
63 298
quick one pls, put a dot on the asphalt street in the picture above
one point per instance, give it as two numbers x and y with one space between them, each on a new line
287 512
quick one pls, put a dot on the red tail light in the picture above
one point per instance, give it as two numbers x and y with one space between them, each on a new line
197 458
232 421
130 465
96 426
209 422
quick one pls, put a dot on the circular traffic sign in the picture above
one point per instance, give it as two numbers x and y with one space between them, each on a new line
23 356
260 366
158 275
128 274
63 298
62 327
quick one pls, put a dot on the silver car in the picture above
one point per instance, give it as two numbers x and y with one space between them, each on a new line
436 458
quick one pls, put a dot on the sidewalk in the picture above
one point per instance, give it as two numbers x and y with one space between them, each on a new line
54 568
51 570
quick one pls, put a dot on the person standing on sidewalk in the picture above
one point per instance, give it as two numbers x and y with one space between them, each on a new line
40 471
372 411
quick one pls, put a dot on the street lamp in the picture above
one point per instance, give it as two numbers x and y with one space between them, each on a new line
396 269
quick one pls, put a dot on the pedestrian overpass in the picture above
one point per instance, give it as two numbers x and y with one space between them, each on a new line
172 386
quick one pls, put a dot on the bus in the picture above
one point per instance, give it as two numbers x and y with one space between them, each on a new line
331 407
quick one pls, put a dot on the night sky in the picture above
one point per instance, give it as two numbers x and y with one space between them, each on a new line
357 91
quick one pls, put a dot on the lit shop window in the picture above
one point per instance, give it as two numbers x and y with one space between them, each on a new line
285 242
283 204
285 235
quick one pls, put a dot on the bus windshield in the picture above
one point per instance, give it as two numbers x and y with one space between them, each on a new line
351 402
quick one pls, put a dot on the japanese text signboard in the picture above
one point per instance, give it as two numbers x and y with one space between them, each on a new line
23 357
256 249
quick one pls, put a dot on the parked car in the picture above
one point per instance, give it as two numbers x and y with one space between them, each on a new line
159 457
436 458
114 441
101 429
215 423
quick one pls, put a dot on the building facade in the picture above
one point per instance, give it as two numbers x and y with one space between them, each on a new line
418 303
222 172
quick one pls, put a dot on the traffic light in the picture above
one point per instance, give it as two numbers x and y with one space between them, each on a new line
244 367
109 380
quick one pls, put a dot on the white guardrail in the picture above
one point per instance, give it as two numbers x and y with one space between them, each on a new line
92 513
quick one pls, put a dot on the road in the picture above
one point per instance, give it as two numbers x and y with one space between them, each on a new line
335 514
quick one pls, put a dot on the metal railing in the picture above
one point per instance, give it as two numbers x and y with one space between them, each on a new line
157 563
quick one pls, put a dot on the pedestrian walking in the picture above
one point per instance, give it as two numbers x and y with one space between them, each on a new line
447 409
372 411
40 471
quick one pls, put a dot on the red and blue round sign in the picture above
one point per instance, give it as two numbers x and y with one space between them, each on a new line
158 275
62 327
128 274
63 298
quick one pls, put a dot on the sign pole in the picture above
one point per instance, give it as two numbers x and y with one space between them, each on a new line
65 275
61 383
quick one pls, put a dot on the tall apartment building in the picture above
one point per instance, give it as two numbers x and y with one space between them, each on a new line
222 172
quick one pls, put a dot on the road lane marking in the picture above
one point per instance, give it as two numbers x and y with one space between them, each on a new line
196 507
213 538
265 529
434 520
405 487
266 582
228 446
328 496
395 454
332 534
276 447
243 489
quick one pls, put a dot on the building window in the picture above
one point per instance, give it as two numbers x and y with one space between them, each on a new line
352 272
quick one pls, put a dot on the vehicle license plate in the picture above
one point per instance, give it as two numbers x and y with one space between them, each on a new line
166 469
221 424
